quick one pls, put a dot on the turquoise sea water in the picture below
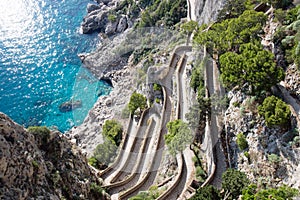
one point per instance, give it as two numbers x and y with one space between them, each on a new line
39 66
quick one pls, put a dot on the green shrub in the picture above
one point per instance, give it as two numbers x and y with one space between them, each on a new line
236 104
156 87
207 193
137 101
179 136
252 65
200 174
35 164
41 134
281 193
275 112
112 17
233 182
103 154
113 130
273 158
157 100
241 141
97 191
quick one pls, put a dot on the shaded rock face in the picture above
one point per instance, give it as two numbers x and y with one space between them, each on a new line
30 170
204 11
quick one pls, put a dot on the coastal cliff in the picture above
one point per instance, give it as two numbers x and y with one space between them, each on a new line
39 164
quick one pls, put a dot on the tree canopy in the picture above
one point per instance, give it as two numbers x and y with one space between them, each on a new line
229 34
137 100
179 136
281 193
275 112
233 183
207 193
112 130
103 154
189 27
252 65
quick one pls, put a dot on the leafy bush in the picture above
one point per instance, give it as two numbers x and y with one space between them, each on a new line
103 154
207 193
137 101
233 183
178 137
281 193
241 141
273 158
200 174
275 112
113 130
112 17
156 87
189 27
97 191
41 134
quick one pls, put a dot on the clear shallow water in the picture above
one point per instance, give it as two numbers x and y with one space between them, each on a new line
39 66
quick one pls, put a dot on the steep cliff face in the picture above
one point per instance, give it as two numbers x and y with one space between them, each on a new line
42 166
204 11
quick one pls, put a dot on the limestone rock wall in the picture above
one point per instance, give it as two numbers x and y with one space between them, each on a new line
204 11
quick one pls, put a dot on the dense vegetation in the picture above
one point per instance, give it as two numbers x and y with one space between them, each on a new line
236 184
235 42
154 12
103 154
113 130
179 136
251 65
106 152
275 112
233 183
164 12
281 193
207 193
288 35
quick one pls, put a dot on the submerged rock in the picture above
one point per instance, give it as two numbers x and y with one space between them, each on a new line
70 105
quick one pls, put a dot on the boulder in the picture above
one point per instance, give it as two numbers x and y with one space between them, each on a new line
111 28
122 25
104 1
95 20
92 7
